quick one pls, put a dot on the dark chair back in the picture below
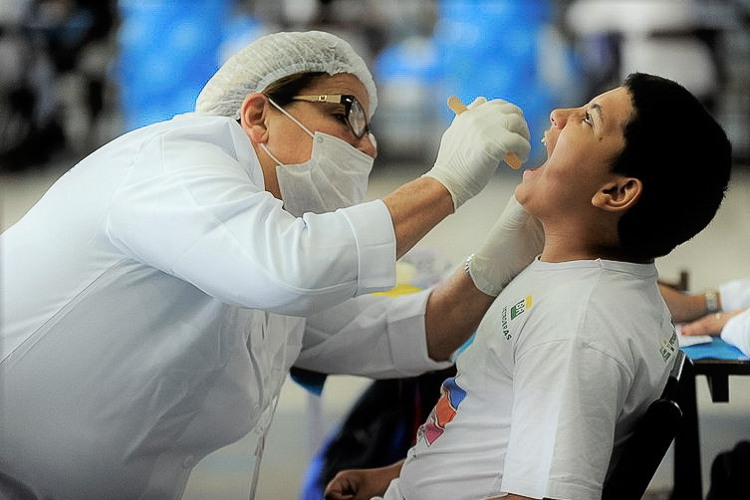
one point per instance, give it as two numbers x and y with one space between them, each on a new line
651 439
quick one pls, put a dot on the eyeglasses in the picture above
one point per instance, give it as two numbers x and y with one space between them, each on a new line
355 114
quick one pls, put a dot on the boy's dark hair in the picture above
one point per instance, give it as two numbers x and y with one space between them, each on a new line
684 160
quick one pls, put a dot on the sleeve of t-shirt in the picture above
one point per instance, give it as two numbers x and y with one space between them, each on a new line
567 397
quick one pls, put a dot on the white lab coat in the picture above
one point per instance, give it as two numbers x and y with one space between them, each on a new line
155 298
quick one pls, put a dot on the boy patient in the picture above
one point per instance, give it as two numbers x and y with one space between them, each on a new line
575 348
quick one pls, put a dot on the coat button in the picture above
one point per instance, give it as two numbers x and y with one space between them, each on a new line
188 461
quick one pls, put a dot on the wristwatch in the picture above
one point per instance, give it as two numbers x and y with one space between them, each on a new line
712 300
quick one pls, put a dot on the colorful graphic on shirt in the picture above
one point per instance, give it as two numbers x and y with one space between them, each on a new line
451 395
515 311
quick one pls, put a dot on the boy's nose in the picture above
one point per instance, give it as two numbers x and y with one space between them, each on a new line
559 117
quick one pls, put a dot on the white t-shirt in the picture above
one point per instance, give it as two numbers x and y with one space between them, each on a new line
155 298
562 366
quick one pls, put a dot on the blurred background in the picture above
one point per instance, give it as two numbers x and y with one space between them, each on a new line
77 73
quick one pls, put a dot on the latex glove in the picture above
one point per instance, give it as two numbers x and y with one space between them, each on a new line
476 142
512 244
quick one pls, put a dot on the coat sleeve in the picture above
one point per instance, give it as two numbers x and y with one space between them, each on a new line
373 336
198 211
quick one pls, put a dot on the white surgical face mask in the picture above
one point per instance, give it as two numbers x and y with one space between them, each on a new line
335 176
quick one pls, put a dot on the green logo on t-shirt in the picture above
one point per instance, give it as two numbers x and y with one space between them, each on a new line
520 308
515 311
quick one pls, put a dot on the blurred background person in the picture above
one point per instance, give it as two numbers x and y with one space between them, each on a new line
44 44
721 312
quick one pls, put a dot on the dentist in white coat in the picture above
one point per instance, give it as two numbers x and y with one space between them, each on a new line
155 298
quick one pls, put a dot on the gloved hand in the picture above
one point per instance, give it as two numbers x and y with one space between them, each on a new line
513 242
475 144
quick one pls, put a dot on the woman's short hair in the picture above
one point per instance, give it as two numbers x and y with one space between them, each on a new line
682 157
284 89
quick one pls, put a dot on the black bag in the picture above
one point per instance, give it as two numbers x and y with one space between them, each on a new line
729 474
378 431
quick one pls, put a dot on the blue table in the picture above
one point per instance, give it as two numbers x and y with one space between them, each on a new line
717 361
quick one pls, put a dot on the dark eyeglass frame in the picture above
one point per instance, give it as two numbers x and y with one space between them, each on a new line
351 104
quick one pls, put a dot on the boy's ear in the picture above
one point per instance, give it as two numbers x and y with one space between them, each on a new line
618 195
253 114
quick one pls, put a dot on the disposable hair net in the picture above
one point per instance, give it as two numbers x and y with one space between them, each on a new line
275 56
